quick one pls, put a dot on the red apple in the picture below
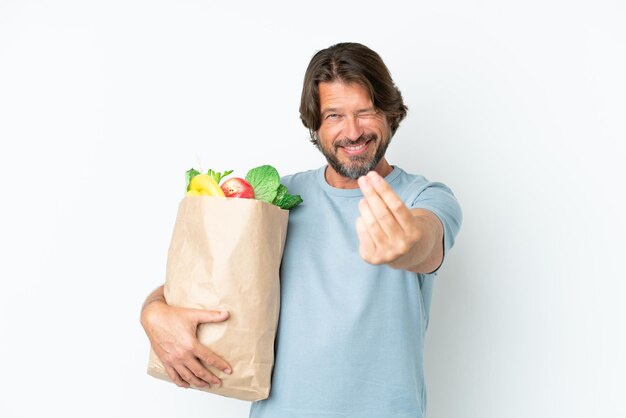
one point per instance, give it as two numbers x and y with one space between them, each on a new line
237 187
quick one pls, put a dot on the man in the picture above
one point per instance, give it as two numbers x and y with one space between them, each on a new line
358 265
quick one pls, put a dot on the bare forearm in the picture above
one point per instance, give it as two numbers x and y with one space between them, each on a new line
157 295
426 254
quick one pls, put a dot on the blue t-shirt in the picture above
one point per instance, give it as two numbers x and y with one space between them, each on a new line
350 335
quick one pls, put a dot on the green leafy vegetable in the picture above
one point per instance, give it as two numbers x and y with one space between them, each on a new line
280 194
217 176
265 182
284 200
189 174
289 201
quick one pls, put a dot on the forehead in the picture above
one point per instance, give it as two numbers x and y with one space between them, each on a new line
338 93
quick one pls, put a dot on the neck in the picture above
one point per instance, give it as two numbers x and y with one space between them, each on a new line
340 182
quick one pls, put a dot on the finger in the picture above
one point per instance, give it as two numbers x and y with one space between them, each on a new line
367 248
209 358
203 374
392 201
201 315
379 209
175 377
189 377
371 224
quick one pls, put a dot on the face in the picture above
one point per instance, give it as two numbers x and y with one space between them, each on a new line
353 135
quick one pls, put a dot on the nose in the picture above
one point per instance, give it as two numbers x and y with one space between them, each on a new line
352 129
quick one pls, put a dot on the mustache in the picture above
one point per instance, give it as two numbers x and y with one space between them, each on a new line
360 140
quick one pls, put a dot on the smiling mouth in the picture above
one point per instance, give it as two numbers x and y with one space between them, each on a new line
356 149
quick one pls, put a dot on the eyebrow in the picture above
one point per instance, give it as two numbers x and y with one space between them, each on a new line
329 110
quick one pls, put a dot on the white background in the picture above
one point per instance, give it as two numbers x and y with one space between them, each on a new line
518 106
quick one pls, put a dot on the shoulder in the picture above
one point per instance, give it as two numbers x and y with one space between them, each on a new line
410 186
299 180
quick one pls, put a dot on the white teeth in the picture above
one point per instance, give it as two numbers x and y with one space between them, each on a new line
355 148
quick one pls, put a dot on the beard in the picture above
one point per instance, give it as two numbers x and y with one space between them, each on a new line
357 165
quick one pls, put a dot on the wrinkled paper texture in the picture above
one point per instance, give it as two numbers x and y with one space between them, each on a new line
225 254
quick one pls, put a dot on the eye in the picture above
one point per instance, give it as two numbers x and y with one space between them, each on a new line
332 116
368 115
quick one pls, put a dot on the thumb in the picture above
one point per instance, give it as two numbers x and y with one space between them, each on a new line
202 315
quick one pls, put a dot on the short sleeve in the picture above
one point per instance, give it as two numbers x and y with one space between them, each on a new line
439 199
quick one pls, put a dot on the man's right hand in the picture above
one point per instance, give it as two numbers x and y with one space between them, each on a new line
172 333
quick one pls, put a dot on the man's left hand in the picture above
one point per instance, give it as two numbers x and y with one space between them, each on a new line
391 233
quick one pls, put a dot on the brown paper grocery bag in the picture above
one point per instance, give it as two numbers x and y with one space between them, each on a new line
225 254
